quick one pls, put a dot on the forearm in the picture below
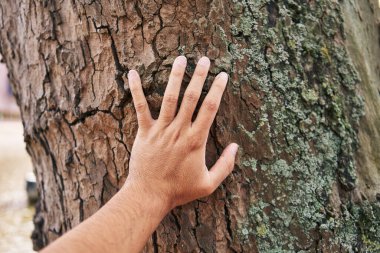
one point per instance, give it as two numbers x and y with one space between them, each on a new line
124 224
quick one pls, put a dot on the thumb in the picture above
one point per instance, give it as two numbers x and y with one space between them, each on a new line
224 166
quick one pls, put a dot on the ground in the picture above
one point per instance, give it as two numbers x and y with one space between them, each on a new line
15 214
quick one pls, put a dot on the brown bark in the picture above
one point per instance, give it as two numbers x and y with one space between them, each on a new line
292 104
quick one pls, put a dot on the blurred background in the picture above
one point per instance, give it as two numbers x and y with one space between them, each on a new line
16 210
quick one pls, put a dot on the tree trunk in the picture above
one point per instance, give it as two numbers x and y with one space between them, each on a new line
308 171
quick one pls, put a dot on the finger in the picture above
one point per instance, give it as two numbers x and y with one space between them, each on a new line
169 104
211 104
193 91
144 117
223 167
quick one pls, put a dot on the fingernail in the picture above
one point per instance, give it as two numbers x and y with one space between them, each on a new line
131 73
204 61
181 60
234 149
223 76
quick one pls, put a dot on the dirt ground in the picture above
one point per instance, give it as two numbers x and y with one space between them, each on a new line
15 214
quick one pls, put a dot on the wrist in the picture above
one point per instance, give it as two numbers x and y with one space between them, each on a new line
145 199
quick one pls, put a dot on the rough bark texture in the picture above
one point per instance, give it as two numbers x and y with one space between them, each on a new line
308 171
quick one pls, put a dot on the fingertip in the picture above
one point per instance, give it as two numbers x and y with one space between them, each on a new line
180 60
204 61
233 148
132 73
224 165
223 76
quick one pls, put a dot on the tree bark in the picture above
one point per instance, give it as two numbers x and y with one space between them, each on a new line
307 177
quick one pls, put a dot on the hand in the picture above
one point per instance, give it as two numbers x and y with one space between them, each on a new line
168 155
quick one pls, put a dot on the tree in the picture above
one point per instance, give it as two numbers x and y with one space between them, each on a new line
308 172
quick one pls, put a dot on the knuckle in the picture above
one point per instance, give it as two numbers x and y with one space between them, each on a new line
171 99
201 71
191 96
140 107
166 117
195 142
211 105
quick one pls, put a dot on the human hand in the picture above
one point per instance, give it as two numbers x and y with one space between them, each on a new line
168 155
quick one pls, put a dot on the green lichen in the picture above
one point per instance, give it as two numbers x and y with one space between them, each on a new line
312 108
358 230
251 163
310 96
325 53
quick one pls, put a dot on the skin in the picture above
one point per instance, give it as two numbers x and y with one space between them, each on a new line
167 166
